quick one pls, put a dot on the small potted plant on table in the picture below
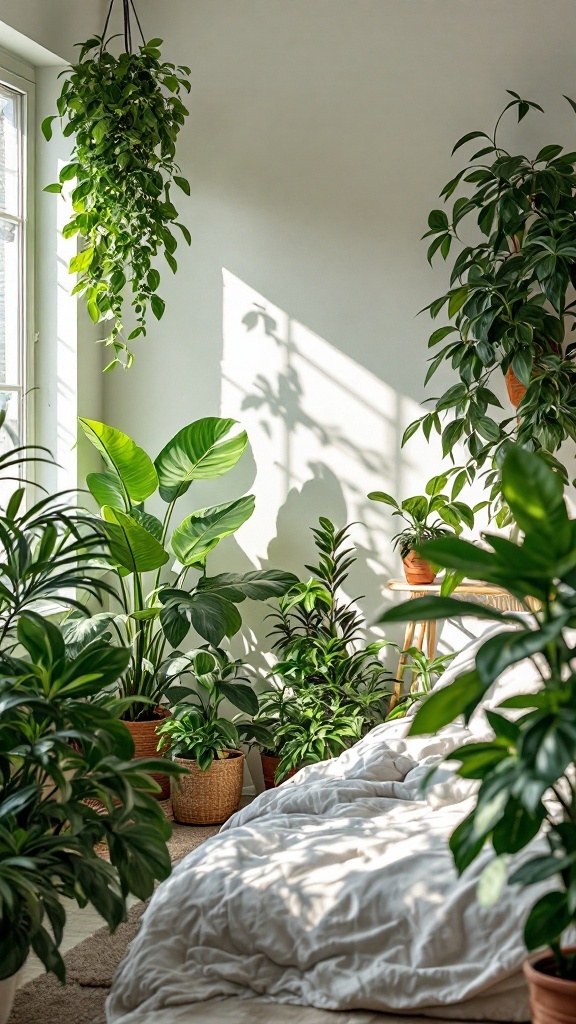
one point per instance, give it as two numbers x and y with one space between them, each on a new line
204 742
526 773
426 516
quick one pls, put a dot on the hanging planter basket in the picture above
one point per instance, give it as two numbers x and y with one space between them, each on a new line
124 113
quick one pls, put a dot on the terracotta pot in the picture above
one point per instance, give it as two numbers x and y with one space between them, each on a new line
269 767
417 570
7 993
145 740
552 999
515 389
210 797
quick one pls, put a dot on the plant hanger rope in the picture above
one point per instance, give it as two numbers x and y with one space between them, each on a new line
125 114
126 4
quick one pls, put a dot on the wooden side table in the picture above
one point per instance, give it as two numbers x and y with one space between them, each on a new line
423 634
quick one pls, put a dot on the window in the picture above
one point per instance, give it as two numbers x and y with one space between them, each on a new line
15 260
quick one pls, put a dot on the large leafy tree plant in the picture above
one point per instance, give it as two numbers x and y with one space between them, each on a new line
124 113
526 772
510 303
156 613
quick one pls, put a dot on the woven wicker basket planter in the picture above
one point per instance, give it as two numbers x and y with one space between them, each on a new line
145 740
210 797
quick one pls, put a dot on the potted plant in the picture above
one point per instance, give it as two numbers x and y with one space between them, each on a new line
156 615
426 516
48 826
510 305
329 685
526 772
124 113
204 742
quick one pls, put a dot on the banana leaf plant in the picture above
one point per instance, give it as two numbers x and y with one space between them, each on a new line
156 614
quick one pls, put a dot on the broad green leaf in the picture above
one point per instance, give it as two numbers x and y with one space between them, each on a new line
200 532
428 609
198 452
240 695
259 585
535 494
124 457
506 649
446 704
106 489
386 499
547 920
130 544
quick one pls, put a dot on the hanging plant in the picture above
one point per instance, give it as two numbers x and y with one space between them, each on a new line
125 113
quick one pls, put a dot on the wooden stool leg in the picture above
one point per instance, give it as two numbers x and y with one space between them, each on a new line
408 639
431 640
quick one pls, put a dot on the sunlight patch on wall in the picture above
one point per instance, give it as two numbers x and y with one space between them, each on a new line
324 430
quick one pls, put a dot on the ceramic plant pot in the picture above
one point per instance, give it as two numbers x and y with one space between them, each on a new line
7 993
210 797
145 739
515 389
552 999
269 769
417 570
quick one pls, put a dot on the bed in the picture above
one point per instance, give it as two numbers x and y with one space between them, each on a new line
337 891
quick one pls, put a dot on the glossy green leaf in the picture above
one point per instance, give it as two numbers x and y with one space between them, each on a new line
130 544
199 451
106 489
200 532
129 462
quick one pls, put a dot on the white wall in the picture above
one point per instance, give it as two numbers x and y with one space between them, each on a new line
319 138
52 26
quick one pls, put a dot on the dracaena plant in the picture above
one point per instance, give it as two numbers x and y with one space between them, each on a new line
510 304
526 773
124 114
157 613
197 729
428 515
327 679
59 755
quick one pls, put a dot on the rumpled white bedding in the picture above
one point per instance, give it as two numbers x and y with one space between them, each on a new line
337 890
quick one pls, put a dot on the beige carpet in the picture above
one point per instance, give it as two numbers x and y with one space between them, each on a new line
91 965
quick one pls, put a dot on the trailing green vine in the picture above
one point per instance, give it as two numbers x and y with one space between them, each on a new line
125 113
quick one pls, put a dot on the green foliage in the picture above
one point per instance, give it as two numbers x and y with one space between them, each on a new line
526 772
157 615
50 550
124 114
431 515
197 729
510 302
58 751
330 687
425 674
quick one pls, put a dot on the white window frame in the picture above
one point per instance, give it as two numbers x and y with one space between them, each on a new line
20 77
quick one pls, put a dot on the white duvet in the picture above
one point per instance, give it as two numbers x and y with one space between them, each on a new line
338 891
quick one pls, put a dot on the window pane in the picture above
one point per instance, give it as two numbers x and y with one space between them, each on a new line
10 105
10 299
10 435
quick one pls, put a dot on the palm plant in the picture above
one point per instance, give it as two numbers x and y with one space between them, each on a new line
51 550
156 615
